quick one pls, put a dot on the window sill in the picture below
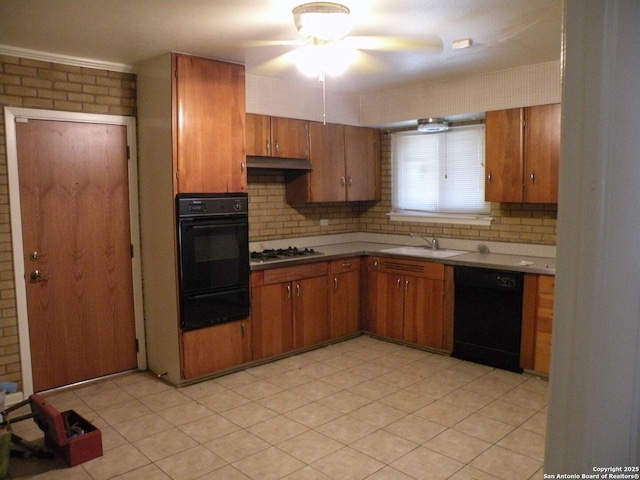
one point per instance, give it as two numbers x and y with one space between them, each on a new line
454 219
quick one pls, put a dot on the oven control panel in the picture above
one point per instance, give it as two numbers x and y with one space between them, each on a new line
189 205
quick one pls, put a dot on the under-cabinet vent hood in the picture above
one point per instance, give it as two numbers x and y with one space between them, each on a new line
279 163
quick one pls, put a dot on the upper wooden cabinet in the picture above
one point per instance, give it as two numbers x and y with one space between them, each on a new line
346 166
209 144
276 137
522 154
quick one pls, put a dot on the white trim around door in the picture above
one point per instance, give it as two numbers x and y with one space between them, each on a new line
11 115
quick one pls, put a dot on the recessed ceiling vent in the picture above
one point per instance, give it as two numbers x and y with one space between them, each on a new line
432 125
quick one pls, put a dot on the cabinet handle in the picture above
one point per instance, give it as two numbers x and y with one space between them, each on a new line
268 147
346 264
243 166
343 181
350 181
533 177
406 285
298 290
398 284
335 283
489 178
242 328
277 147
288 291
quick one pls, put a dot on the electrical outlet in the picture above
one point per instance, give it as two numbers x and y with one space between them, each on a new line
324 222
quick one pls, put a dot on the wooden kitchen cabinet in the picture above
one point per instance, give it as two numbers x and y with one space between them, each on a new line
268 136
190 123
522 154
537 322
344 297
290 308
346 166
209 142
406 300
216 348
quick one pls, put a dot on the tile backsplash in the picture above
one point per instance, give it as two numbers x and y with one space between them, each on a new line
271 218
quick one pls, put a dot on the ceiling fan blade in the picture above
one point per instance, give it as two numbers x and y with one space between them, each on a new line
432 44
273 65
272 43
366 63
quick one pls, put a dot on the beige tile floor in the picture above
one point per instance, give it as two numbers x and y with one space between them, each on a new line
359 409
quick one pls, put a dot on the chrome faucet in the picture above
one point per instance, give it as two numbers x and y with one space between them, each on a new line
433 241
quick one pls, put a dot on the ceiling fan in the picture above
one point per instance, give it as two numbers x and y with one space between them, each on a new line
328 49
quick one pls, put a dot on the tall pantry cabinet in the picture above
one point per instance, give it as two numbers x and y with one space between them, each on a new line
191 114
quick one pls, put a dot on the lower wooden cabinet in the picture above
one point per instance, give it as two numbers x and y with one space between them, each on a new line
537 322
216 348
344 297
406 300
290 308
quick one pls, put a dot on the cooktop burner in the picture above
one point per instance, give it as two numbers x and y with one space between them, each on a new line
271 254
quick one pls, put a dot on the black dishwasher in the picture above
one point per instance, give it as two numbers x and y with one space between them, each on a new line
488 317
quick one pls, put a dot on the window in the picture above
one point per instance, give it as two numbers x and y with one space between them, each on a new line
439 175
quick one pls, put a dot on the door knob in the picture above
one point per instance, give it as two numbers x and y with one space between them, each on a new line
36 276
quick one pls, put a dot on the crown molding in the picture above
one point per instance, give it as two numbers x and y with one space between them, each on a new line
64 59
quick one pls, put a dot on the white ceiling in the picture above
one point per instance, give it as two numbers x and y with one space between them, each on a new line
505 33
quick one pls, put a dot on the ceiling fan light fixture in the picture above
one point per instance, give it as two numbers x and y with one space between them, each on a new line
432 125
323 20
328 58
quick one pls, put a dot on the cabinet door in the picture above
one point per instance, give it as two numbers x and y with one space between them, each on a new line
310 311
209 350
362 163
326 153
504 156
258 135
272 320
424 311
544 323
289 137
210 124
386 303
542 153
345 301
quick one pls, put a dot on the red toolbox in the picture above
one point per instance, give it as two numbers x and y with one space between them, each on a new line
68 434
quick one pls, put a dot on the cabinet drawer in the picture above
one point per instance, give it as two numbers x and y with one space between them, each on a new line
296 272
414 268
344 265
546 283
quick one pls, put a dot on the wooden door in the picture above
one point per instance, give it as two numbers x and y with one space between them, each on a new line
232 343
272 320
289 137
504 156
424 311
362 163
326 152
258 135
310 311
542 153
74 197
387 304
210 123
345 303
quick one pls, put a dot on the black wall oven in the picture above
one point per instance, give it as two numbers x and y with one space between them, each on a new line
213 257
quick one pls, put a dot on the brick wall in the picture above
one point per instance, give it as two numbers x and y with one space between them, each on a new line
50 86
270 217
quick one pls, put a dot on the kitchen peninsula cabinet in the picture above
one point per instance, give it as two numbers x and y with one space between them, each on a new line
344 297
522 154
276 137
290 308
406 300
346 166
537 322
216 348
190 125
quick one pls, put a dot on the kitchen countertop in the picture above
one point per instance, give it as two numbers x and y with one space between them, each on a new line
498 261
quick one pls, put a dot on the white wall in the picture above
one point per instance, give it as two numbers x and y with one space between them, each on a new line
594 405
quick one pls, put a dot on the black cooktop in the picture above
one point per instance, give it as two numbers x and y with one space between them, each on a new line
272 254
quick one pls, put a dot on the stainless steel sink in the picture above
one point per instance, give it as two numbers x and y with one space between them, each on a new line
423 252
